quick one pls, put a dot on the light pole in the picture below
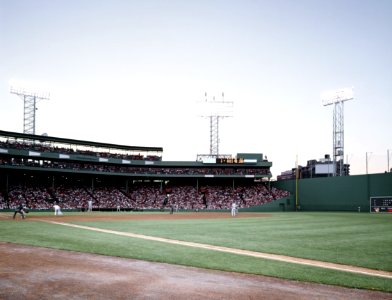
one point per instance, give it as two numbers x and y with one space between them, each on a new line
215 110
388 170
337 99
367 160
296 182
30 100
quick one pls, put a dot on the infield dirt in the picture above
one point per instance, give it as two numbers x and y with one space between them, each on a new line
92 217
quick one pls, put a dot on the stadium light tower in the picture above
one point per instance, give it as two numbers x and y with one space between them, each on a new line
30 100
337 98
367 161
215 110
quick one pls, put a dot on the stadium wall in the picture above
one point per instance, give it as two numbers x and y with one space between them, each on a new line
347 193
283 204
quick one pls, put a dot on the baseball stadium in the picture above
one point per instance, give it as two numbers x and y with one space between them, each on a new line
130 225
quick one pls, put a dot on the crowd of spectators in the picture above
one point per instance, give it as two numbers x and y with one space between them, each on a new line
69 197
237 170
142 196
221 197
109 197
34 197
2 202
42 147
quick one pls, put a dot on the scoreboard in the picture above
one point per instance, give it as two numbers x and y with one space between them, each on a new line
381 204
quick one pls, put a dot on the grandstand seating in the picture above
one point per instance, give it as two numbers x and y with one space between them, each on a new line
40 173
133 170
50 149
144 196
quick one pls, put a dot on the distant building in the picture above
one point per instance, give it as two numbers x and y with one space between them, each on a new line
313 169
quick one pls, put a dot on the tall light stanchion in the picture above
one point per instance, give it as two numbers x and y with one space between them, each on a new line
30 100
337 98
215 110
367 161
366 164
296 183
388 169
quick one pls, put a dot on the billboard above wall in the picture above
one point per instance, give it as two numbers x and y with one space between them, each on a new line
325 168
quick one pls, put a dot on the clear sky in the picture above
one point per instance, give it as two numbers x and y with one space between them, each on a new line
132 72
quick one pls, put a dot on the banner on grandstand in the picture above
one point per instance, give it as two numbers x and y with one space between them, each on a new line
33 153
250 161
208 160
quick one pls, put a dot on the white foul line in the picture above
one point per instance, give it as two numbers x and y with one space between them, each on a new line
302 261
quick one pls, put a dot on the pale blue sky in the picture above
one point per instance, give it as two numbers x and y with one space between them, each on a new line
131 72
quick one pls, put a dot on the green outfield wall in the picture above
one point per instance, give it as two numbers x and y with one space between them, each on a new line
283 204
346 193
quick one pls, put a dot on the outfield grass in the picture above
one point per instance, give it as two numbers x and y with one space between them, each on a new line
348 238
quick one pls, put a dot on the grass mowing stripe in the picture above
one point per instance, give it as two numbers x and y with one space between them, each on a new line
345 238
282 258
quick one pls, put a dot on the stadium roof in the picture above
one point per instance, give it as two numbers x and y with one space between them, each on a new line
45 138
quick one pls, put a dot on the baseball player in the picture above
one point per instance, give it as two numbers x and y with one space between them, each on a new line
20 210
90 205
233 209
57 210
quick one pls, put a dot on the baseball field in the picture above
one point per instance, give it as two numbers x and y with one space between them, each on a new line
347 253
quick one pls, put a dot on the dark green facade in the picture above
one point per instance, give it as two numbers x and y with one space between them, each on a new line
346 193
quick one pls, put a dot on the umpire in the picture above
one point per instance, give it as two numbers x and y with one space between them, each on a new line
21 210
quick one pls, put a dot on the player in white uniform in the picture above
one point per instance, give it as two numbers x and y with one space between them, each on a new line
90 206
233 209
57 210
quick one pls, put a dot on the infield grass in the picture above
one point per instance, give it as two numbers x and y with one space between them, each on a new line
358 239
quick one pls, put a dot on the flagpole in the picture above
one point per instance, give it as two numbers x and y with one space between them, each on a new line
296 183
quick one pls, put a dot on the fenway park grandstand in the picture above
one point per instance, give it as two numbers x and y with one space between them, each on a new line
40 171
